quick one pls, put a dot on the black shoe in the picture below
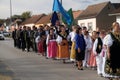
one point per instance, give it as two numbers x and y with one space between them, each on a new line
28 50
80 68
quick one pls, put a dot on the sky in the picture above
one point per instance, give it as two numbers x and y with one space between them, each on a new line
43 6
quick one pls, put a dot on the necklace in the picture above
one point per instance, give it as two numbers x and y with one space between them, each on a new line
64 35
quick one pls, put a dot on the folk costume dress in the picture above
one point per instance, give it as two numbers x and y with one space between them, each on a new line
80 43
88 41
51 46
40 42
92 60
72 54
63 48
98 51
112 65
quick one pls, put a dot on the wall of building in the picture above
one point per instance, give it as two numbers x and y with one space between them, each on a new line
88 22
118 19
30 25
104 21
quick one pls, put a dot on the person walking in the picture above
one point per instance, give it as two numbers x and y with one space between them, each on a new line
63 48
98 51
88 49
72 37
51 44
23 38
112 62
80 48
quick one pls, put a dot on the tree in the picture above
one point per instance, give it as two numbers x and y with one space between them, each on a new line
1 21
26 14
14 17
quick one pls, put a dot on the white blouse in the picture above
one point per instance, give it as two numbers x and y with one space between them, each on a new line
108 41
72 36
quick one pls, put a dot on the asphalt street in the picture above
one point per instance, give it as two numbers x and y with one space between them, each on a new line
30 66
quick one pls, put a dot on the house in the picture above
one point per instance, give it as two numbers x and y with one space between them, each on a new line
32 21
96 16
76 15
44 20
1 27
117 14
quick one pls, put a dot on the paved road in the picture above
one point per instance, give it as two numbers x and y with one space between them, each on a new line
30 66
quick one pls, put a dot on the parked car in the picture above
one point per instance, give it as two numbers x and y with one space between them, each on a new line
2 37
6 34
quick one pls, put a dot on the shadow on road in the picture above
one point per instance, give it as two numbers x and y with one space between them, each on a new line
5 72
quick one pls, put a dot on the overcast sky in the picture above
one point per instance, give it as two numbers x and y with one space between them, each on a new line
42 6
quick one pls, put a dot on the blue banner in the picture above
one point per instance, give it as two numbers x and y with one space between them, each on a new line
58 7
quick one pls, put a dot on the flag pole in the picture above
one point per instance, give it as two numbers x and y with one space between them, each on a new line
61 2
61 14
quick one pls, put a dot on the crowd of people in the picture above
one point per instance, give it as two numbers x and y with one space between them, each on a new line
100 50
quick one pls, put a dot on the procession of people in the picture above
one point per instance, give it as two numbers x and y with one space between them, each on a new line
98 50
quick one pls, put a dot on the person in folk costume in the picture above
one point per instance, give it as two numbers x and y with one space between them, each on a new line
40 41
23 36
72 37
63 48
112 62
98 51
37 39
88 49
92 59
51 44
80 48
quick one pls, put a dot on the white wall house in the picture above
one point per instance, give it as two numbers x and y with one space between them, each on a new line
30 25
89 23
96 16
30 22
117 14
118 19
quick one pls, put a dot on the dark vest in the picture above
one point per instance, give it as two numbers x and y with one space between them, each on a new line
99 45
115 53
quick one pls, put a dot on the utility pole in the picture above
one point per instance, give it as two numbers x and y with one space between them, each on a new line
10 12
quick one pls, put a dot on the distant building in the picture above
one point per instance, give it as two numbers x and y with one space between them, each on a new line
45 20
96 16
32 21
76 15
117 14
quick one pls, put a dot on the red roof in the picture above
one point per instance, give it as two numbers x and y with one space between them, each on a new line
33 19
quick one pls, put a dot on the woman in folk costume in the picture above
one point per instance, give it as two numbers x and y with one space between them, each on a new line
80 48
88 49
92 59
51 44
63 48
72 36
40 40
98 52
112 62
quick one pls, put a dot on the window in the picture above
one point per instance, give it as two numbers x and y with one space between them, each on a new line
90 25
82 24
